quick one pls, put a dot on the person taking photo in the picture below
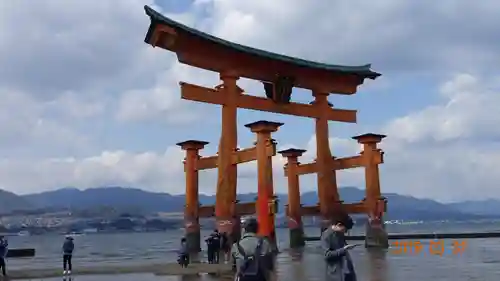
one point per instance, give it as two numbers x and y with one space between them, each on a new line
339 266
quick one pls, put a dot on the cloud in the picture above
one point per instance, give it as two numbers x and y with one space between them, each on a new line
110 168
395 36
448 150
81 90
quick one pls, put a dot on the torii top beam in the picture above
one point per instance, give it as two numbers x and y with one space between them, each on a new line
205 51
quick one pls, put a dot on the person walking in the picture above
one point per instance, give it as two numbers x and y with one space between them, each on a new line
4 249
253 258
68 248
339 266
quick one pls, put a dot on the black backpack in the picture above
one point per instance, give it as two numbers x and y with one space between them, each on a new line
251 269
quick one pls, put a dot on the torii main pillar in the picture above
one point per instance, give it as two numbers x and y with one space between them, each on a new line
376 235
330 204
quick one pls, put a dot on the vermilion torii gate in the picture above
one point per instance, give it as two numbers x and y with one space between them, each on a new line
279 75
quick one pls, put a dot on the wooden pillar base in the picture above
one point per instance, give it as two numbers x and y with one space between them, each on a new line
225 225
193 241
376 235
193 237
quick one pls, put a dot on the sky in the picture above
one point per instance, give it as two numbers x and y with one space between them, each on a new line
86 103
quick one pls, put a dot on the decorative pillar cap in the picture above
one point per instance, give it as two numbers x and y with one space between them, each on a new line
369 138
264 126
192 144
292 152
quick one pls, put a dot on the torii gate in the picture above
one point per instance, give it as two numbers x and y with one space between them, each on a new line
279 74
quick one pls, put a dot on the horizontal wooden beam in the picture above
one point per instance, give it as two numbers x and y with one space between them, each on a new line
205 163
350 208
207 95
339 164
201 94
239 157
246 155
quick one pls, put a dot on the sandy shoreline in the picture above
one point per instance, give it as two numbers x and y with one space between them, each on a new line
157 269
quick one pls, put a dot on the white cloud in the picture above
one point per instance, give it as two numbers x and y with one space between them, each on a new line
145 170
449 150
85 64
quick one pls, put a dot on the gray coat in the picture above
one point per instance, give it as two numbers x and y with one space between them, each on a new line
339 265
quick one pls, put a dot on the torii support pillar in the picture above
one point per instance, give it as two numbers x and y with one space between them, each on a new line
376 235
265 201
330 204
294 206
191 217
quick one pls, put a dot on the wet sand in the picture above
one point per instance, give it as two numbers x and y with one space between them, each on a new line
155 269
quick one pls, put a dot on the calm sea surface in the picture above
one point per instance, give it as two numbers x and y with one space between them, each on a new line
479 261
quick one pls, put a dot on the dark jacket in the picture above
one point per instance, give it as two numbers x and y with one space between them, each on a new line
339 265
3 248
68 247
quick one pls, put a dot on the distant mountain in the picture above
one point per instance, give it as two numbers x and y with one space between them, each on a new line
484 207
117 197
11 202
399 207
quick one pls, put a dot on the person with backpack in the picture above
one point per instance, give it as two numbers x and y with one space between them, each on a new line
68 247
4 248
252 255
339 266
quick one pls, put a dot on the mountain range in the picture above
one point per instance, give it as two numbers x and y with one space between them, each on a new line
399 206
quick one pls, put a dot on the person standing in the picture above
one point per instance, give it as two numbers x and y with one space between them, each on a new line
68 248
253 257
216 245
339 266
183 253
210 249
4 249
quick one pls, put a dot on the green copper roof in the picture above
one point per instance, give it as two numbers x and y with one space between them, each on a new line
157 18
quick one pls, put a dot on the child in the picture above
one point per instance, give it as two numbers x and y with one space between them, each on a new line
183 259
68 247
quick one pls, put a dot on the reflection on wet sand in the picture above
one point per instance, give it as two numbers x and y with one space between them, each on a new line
297 270
377 262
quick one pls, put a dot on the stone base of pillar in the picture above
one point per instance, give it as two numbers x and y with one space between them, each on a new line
193 241
297 238
376 235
